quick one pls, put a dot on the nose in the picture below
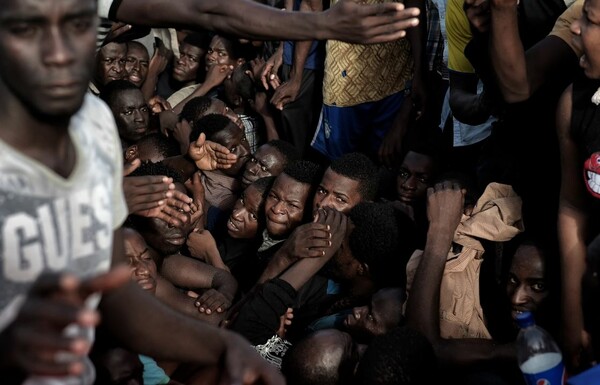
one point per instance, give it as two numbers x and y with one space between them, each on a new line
327 201
520 296
137 115
238 214
410 183
211 55
278 208
57 50
253 167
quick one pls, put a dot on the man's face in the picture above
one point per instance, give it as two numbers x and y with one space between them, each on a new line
243 221
383 313
217 53
163 237
186 67
526 287
414 176
143 267
131 114
284 207
47 49
266 161
586 37
338 192
234 139
136 65
110 63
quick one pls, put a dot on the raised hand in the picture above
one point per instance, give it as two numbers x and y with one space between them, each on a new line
39 341
154 196
210 155
368 24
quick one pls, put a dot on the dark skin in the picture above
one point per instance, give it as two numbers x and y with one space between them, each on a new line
355 23
30 344
311 240
414 176
284 207
445 208
337 192
266 161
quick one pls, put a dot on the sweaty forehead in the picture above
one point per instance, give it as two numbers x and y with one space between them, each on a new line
130 98
113 50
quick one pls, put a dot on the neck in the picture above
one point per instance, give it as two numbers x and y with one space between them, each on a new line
41 138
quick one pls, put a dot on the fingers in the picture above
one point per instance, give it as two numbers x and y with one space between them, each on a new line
173 216
179 200
150 183
266 72
113 279
57 313
212 301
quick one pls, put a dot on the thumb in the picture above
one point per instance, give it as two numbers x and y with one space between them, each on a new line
131 166
201 139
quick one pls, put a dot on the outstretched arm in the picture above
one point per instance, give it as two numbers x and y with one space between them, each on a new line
354 22
147 326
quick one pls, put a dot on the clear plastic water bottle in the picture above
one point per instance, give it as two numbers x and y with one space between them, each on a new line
538 355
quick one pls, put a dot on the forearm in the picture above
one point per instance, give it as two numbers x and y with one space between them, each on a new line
270 127
508 55
303 270
225 16
149 86
146 326
280 261
202 90
469 108
571 230
416 38
302 48
423 305
225 283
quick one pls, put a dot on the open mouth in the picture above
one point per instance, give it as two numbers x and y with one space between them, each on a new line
593 183
232 226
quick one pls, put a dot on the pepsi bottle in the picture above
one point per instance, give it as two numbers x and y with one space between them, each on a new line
538 355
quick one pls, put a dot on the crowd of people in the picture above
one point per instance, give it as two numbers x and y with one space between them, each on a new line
296 191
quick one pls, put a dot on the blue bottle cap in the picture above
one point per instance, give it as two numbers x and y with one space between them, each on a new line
525 319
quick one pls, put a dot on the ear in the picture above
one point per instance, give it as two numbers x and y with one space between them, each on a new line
131 152
363 270
240 61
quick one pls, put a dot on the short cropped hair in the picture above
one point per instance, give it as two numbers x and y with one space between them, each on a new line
304 171
383 239
195 109
115 88
165 147
149 168
210 125
289 152
360 168
400 357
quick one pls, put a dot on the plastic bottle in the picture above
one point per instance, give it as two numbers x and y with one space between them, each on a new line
538 355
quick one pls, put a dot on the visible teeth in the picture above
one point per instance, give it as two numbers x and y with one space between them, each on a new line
593 182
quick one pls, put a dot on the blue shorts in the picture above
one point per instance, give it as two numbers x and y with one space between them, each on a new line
356 128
